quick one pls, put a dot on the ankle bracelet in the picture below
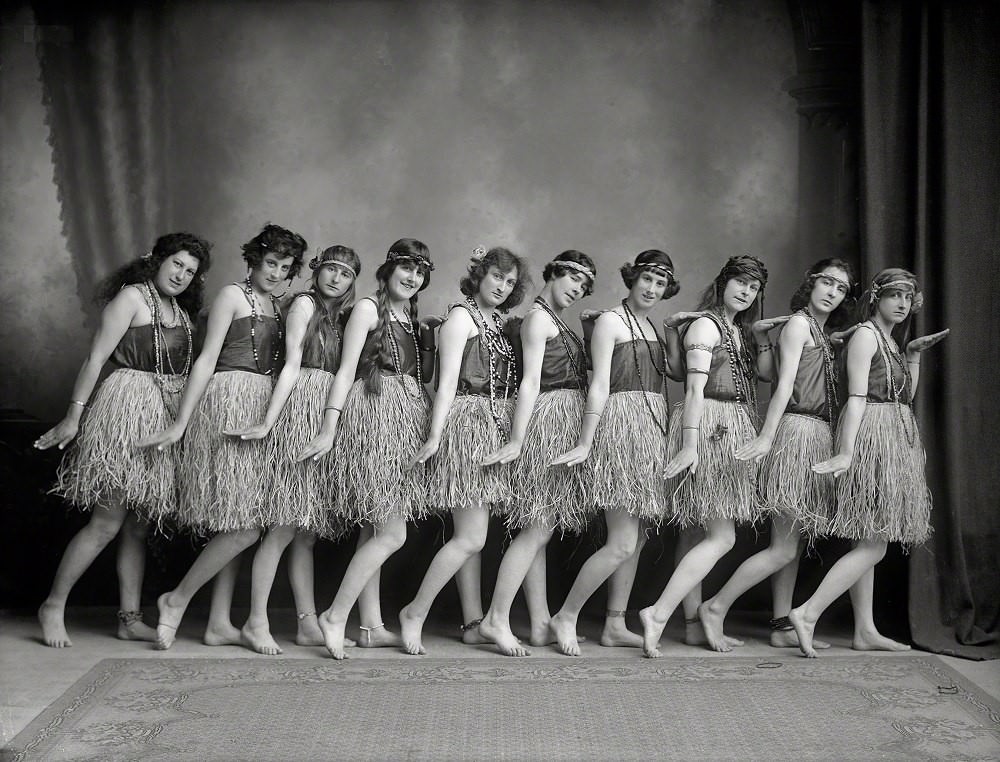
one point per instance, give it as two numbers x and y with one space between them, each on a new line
370 630
129 618
781 624
692 620
470 625
613 613
304 614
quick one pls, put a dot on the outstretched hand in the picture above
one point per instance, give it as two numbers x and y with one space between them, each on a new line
259 431
59 435
762 326
755 449
686 458
921 343
836 465
506 454
837 338
574 457
430 322
426 451
317 448
673 321
162 440
588 315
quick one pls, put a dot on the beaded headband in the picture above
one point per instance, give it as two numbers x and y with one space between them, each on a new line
815 276
657 268
745 264
918 297
571 265
421 260
319 261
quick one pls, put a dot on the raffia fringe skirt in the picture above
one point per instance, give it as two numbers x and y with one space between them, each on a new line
884 493
625 467
455 478
103 462
788 485
227 484
554 497
722 487
305 493
378 436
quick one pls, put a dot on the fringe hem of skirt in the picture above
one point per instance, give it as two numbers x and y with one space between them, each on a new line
455 478
377 438
103 462
722 487
559 497
884 493
625 467
788 485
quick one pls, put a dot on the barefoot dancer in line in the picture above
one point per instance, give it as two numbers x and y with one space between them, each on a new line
303 492
797 432
145 340
622 445
882 493
550 404
471 418
226 484
379 422
726 350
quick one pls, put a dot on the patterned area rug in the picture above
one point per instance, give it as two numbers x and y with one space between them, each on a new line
900 707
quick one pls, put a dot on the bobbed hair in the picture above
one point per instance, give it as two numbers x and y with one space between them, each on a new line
647 260
746 266
505 261
274 239
555 270
842 316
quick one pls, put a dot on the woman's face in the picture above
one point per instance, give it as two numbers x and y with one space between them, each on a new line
497 285
829 290
569 287
894 304
332 280
176 273
740 293
272 270
405 281
648 288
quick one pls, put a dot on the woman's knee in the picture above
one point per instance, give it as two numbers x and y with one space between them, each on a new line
105 525
722 535
392 534
244 538
136 528
305 540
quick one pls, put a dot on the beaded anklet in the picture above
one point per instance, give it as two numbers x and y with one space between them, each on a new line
128 618
781 624
470 625
613 614
304 614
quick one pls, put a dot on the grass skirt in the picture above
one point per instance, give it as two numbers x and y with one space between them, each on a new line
226 483
625 467
378 436
103 462
788 485
551 497
722 487
455 478
305 493
884 493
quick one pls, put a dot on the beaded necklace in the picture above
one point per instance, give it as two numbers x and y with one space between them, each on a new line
394 349
248 292
740 362
829 372
152 298
498 348
895 393
633 324
566 334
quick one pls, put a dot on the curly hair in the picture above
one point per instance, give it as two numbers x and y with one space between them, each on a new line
505 261
841 317
746 266
144 268
279 241
649 259
868 303
555 270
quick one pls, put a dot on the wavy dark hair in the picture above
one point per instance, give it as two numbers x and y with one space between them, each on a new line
711 299
377 353
505 261
647 259
554 270
867 306
319 330
144 268
841 317
279 241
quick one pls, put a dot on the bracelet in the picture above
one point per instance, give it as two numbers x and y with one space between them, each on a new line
862 396
78 402
764 348
591 412
697 370
913 362
693 428
331 407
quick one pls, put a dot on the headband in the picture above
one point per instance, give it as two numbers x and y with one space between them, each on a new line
745 264
421 260
918 298
657 268
571 265
319 261
814 276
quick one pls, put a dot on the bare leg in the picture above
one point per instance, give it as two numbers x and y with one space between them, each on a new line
719 539
386 540
536 596
469 580
517 561
301 577
866 635
373 632
850 568
694 632
623 537
468 539
256 633
220 631
131 566
85 546
616 632
220 557
782 590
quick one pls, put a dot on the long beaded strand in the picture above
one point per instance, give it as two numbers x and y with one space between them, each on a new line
497 346
828 367
159 340
894 393
564 331
394 349
740 364
254 317
633 324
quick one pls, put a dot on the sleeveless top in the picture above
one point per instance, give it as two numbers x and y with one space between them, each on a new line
474 373
237 347
809 389
878 387
625 378
322 346
720 384
407 354
558 370
135 350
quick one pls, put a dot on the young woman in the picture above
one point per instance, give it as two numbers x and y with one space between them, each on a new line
145 340
882 494
379 422
725 351
622 441
226 484
546 419
477 379
797 432
303 492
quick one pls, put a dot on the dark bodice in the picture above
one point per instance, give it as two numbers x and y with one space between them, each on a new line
323 341
474 375
809 389
878 388
383 359
237 347
624 375
558 368
135 350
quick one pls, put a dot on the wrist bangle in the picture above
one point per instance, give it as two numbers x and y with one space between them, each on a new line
764 348
693 428
331 407
862 396
913 362
591 412
78 402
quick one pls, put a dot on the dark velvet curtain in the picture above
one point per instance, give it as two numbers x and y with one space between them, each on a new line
931 203
103 76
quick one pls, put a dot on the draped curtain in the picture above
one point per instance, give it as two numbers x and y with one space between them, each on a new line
930 180
103 78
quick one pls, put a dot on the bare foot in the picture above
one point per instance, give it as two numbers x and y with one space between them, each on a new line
309 633
804 630
169 620
224 634
474 637
788 639
615 633
712 624
541 634
377 637
873 640
500 634
564 631
411 624
333 635
652 630
694 635
137 630
54 634
259 639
